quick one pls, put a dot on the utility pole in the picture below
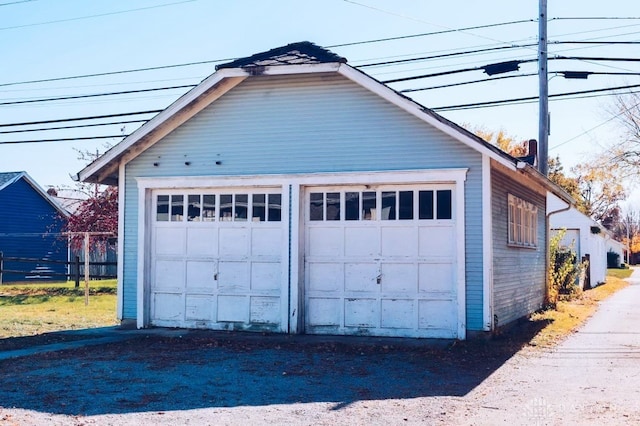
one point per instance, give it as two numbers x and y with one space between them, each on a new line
543 124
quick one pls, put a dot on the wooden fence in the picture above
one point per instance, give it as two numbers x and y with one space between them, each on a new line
75 268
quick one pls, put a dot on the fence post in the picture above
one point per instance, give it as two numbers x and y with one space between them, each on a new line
1 266
87 268
77 271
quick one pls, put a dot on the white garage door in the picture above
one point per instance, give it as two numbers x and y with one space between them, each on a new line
379 260
216 259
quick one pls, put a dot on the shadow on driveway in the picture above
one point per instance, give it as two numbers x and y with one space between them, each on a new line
182 370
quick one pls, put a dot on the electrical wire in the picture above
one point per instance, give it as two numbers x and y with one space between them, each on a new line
94 117
78 126
101 74
529 98
64 98
485 80
477 27
445 55
95 16
16 2
62 139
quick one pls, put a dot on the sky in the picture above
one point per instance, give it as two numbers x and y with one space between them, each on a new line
56 39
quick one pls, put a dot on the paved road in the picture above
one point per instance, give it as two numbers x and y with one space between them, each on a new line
593 377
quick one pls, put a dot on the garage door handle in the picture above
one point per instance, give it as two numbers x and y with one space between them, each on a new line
215 276
379 279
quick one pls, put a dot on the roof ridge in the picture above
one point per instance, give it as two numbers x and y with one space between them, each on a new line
299 53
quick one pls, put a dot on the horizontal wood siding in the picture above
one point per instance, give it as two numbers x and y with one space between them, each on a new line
518 273
305 124
29 227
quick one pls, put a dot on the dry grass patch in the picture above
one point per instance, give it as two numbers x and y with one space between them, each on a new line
569 315
27 310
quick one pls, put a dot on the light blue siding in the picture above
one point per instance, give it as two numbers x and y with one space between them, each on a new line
306 124
518 273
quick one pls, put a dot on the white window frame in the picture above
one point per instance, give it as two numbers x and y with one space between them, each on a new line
522 223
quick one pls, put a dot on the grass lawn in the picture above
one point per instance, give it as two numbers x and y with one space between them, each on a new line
569 315
30 309
620 273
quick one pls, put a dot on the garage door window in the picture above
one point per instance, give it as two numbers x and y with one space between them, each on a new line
394 205
170 208
231 207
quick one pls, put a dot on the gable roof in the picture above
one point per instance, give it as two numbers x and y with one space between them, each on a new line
295 58
9 178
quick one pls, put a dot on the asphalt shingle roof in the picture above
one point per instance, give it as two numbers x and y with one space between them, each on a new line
7 176
299 53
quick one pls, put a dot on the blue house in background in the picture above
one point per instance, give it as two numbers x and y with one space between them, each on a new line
30 225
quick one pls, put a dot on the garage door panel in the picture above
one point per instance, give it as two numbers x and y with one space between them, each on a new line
326 241
433 239
399 278
199 308
265 310
234 241
266 241
202 241
398 313
168 306
361 313
233 309
362 241
387 257
323 311
169 275
325 276
233 276
266 276
436 277
169 241
361 277
219 265
399 241
437 314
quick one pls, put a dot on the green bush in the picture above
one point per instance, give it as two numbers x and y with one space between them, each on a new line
563 271
613 260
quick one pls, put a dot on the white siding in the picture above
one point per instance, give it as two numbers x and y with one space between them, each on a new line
305 124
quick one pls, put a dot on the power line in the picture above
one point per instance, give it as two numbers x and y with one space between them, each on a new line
484 80
64 98
16 2
62 139
445 55
100 74
438 74
599 18
78 126
461 70
488 80
595 127
422 21
528 98
477 27
94 117
94 16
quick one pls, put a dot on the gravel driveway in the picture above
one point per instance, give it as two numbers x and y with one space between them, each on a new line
176 377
